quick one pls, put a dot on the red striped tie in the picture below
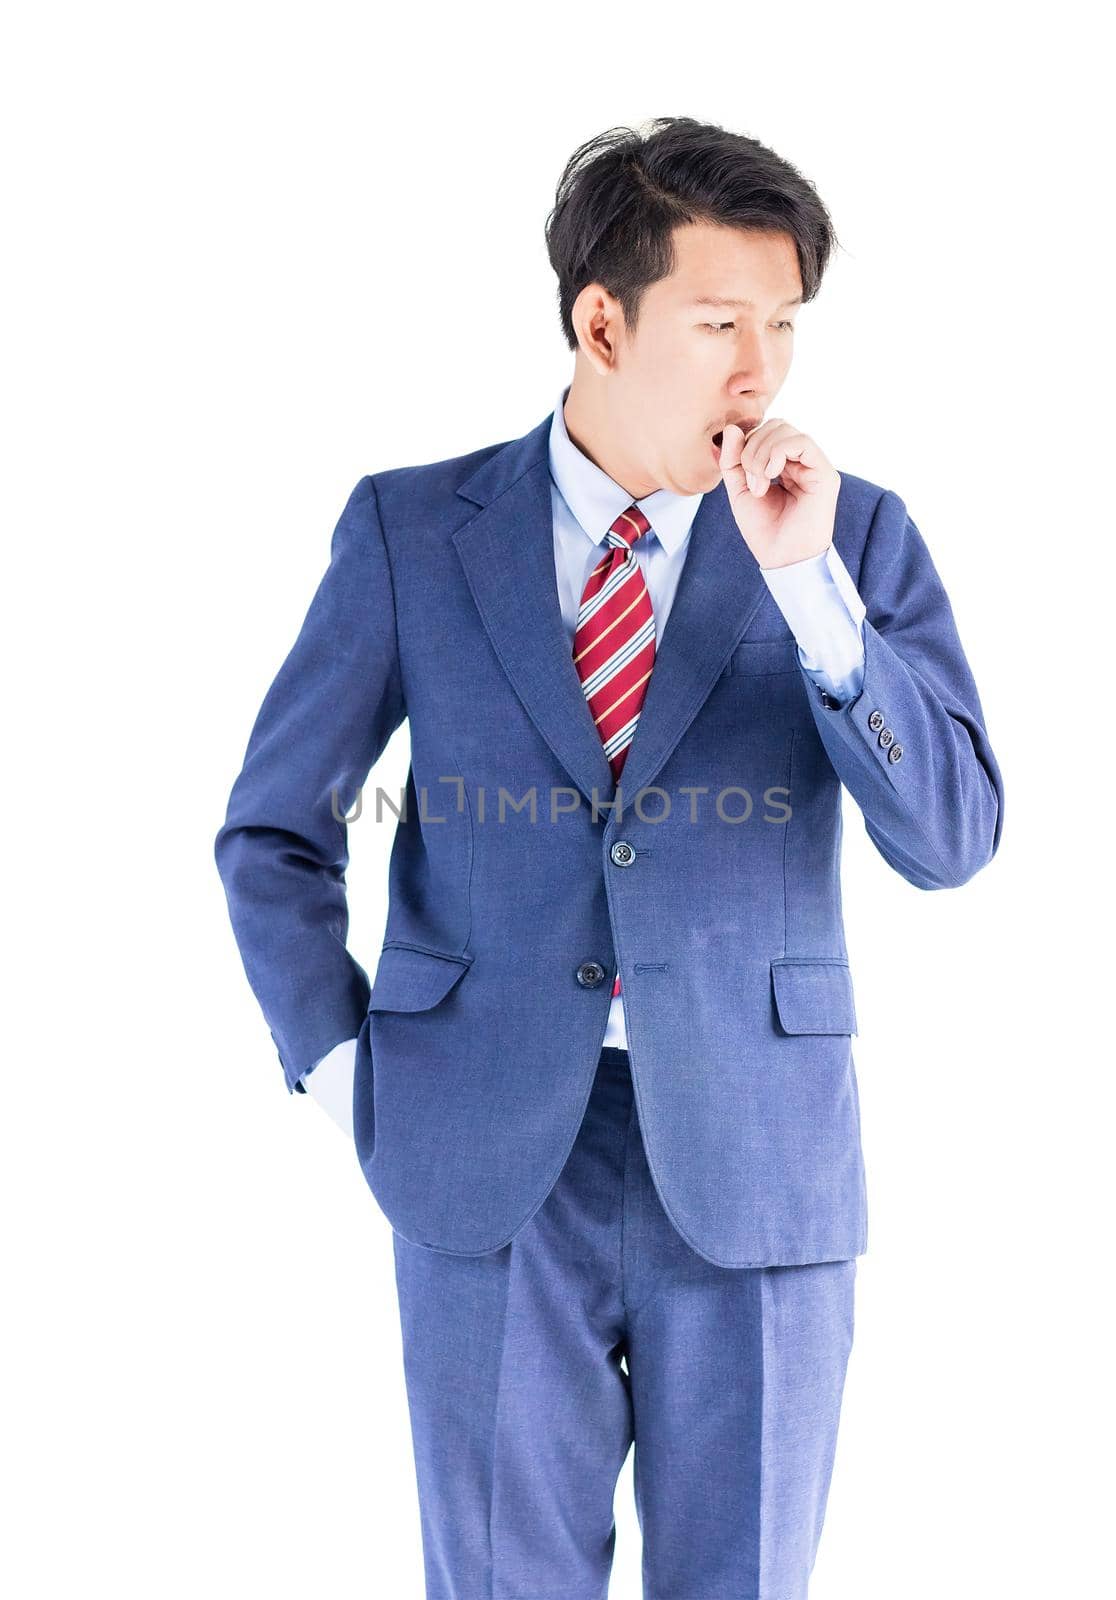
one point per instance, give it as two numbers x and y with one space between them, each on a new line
614 642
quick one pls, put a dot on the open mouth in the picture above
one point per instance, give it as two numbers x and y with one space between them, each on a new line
718 437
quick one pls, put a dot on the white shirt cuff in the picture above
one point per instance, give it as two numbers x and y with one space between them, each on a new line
824 611
330 1081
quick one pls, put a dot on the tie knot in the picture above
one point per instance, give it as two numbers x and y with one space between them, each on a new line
629 526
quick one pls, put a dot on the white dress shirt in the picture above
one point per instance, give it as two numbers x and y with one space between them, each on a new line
817 597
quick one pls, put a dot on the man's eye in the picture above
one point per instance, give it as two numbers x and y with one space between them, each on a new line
719 327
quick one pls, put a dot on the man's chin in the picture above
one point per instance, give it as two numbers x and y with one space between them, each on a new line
698 481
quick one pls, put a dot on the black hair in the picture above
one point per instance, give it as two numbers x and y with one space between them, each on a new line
623 192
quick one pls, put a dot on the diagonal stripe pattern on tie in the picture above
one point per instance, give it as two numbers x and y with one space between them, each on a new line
614 642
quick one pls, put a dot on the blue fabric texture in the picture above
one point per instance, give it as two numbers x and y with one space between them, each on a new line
715 892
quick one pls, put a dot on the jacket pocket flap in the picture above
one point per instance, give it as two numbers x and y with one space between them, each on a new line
814 995
408 979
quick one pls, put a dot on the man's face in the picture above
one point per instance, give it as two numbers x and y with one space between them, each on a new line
691 367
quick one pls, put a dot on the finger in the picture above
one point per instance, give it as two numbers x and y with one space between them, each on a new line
743 456
799 480
800 447
786 443
798 460
760 481
785 456
773 473
765 459
736 481
758 440
732 446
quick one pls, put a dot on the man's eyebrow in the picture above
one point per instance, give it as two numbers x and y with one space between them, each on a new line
722 300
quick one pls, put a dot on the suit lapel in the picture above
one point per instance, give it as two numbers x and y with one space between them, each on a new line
507 552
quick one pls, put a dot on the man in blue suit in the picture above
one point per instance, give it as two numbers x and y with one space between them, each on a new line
602 1083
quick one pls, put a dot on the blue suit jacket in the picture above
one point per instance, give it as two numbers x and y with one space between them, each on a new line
479 1036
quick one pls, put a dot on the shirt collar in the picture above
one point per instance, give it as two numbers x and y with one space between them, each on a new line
596 500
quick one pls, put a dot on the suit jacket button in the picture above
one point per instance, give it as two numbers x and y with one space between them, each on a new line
589 974
875 721
622 853
886 736
895 753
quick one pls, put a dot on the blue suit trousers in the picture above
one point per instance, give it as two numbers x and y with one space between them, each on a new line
532 1370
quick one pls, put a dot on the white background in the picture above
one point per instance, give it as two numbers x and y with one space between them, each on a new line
255 252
